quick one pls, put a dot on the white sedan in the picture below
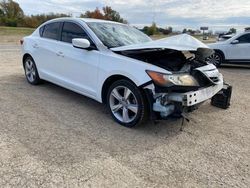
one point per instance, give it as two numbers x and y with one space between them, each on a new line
231 51
118 65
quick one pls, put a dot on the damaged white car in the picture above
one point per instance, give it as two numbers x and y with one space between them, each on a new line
115 64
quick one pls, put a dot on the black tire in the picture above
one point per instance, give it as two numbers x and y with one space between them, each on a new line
136 99
31 72
217 58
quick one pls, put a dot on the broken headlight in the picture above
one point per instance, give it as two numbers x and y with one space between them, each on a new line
166 80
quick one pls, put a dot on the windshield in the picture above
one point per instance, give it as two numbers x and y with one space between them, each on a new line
116 35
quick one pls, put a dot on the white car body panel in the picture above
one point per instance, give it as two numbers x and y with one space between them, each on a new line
114 64
81 70
88 79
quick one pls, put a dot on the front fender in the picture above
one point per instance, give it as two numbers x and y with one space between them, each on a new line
113 64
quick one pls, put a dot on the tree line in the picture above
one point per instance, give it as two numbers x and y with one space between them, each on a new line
154 30
11 14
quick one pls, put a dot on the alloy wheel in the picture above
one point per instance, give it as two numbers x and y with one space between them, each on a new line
30 70
123 104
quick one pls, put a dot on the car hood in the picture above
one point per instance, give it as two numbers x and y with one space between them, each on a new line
181 42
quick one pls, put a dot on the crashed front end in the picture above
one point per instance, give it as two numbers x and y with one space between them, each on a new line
175 99
189 80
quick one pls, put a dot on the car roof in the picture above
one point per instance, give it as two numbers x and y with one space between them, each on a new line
240 34
86 20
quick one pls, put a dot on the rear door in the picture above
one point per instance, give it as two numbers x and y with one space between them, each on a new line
78 68
241 50
47 46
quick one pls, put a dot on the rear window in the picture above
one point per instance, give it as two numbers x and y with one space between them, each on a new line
51 31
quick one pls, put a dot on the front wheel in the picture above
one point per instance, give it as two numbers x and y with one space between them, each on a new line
126 103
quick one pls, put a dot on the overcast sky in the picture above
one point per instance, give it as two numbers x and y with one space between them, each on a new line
217 14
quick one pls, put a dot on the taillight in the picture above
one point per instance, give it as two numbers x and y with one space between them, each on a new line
21 41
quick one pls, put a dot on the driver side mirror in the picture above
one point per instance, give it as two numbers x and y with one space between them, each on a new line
81 43
235 42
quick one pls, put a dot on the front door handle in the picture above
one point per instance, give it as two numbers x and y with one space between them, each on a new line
35 45
60 54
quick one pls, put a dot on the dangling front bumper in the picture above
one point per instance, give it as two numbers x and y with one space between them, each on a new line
195 97
163 104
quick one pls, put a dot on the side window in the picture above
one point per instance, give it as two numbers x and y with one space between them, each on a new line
71 31
244 38
51 31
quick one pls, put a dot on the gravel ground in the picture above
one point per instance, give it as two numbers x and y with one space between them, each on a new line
10 39
52 137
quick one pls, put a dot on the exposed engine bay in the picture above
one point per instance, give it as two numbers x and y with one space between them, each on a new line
204 80
171 60
178 62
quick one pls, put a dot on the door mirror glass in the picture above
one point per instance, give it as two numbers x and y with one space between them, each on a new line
81 43
235 42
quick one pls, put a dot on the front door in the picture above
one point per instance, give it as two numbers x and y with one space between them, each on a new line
241 50
77 68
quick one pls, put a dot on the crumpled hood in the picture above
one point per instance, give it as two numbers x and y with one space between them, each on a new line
181 42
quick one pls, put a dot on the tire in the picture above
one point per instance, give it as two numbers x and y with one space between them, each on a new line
216 58
31 72
126 103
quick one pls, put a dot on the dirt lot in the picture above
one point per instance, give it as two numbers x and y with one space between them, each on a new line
52 137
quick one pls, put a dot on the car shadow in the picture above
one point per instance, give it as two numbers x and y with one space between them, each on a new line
171 124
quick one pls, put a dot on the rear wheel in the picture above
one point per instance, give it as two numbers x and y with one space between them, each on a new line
31 72
126 103
216 59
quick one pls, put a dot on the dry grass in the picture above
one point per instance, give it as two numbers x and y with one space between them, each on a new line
15 31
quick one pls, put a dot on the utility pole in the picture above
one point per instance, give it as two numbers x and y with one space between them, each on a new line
204 29
154 11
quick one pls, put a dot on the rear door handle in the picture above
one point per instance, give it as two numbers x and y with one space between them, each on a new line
60 54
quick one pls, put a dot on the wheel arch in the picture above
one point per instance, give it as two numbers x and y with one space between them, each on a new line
220 52
26 55
108 82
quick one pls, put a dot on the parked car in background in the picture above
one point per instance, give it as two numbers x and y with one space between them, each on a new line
118 65
225 37
233 50
205 37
